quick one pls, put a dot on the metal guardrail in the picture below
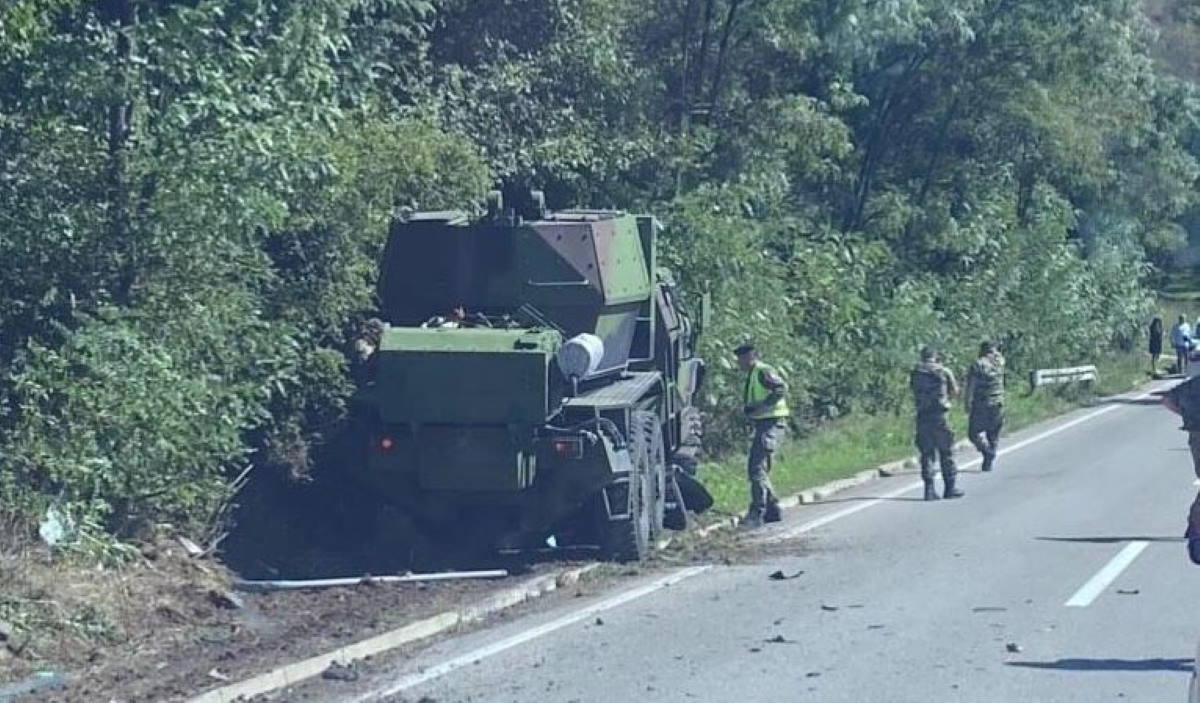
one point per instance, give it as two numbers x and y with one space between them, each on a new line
1075 374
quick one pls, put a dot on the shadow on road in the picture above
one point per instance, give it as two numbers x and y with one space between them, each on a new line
1181 665
1132 401
1110 540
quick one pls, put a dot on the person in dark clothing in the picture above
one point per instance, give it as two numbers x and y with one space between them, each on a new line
933 387
1156 341
1184 400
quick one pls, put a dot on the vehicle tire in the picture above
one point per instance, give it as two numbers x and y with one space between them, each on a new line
658 474
629 538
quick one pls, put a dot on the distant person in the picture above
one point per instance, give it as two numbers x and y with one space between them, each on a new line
765 405
933 386
984 395
1184 400
1181 340
1156 340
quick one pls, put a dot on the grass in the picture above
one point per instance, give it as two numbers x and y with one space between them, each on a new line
853 444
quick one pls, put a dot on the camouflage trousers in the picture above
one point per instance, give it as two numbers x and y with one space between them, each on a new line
767 436
983 428
935 442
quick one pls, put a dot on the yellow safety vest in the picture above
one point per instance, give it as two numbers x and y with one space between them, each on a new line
757 392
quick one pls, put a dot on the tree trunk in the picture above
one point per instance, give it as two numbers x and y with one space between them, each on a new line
702 54
714 94
120 130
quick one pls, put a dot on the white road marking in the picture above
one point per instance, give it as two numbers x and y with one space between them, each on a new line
474 656
811 525
1104 577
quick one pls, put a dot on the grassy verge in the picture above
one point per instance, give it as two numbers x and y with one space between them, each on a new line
850 445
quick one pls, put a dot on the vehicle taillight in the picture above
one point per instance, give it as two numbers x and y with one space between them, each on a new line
386 444
568 447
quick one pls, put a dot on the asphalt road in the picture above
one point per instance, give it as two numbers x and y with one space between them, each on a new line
1070 552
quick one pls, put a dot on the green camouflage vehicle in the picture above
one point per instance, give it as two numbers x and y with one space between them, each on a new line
535 379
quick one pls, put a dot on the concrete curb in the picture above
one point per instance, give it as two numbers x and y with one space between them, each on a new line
297 672
816 494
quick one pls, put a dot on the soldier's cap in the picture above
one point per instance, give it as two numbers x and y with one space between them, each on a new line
928 353
987 347
743 350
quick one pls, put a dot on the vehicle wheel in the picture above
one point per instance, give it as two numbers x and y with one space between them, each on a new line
658 474
629 538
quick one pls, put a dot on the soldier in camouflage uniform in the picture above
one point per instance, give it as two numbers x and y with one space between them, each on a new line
933 386
365 345
984 395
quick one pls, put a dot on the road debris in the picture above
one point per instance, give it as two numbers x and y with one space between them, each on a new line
779 639
1013 648
263 586
1128 592
989 609
216 674
828 608
340 672
193 550
780 576
599 621
225 599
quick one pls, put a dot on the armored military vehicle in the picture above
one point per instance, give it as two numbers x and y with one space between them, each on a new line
535 380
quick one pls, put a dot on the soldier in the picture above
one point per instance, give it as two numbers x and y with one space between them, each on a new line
1184 400
984 395
365 345
765 405
933 386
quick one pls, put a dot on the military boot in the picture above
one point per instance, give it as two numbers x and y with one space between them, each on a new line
951 491
988 460
752 521
930 491
772 513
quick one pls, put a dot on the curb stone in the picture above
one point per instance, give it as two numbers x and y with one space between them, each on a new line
298 672
816 494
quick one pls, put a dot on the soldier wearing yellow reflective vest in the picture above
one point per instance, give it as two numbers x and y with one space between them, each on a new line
765 405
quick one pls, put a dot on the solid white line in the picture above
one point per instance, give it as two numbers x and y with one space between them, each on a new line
811 525
1104 577
486 651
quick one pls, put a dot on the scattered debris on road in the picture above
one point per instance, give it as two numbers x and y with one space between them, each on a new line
1128 592
217 675
779 639
989 609
780 576
1013 648
828 608
340 672
599 621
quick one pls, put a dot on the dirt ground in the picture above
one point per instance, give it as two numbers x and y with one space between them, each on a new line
178 636
183 645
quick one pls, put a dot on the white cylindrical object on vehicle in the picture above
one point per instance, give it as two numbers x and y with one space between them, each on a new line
580 356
